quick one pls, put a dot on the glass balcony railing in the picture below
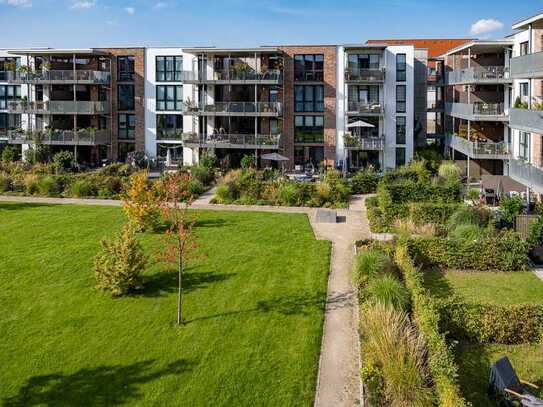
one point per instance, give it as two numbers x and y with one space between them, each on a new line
63 76
243 75
60 137
480 74
364 107
365 74
249 141
59 107
478 149
238 108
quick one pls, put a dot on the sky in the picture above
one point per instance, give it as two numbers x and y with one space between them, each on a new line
245 23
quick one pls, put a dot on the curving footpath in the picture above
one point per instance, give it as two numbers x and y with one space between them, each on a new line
338 381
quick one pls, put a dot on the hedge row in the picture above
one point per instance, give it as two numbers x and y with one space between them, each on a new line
505 251
441 364
405 191
484 323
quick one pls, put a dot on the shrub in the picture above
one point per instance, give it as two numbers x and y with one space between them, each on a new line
109 186
31 183
392 344
466 215
140 204
116 170
370 264
288 194
5 182
208 161
49 186
440 359
83 188
372 202
422 213
511 207
467 232
9 154
224 193
388 290
248 161
119 263
408 227
449 170
507 324
203 174
535 231
63 160
196 187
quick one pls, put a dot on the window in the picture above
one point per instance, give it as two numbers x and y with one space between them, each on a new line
523 91
127 126
169 126
524 48
8 94
363 61
309 98
364 94
126 97
10 121
169 97
401 99
400 156
169 69
125 68
125 149
8 64
309 67
400 129
401 68
524 146
309 129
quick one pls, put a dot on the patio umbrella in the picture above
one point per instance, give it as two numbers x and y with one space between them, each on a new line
359 124
274 157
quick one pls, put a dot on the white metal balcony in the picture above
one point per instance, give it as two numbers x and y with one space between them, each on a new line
478 111
479 75
233 76
354 142
232 141
365 108
477 149
527 66
83 137
59 77
59 107
526 174
364 75
272 109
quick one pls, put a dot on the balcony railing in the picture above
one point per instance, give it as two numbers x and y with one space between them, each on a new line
480 74
476 111
242 141
527 66
364 75
353 142
64 76
529 120
59 107
364 107
170 135
238 109
60 137
526 174
478 149
232 75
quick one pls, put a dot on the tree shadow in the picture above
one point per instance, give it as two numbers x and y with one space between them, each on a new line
98 386
164 283
436 282
211 223
17 206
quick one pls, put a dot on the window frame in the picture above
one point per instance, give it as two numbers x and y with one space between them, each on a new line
308 103
5 98
162 103
128 132
401 130
401 68
166 131
176 75
132 105
401 162
303 73
126 61
401 104
312 134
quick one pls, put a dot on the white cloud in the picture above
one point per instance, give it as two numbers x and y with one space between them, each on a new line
83 5
17 3
130 10
485 26
159 5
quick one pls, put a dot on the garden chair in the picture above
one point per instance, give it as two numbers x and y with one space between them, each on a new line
505 386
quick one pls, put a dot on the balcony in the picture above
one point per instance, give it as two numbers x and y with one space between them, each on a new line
59 77
478 111
477 149
170 137
365 108
83 137
527 66
364 75
526 174
59 107
262 109
231 141
479 75
240 77
364 143
530 120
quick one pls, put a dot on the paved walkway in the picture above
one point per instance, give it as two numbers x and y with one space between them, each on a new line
339 378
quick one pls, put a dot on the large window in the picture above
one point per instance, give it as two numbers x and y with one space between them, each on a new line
10 121
125 97
524 48
169 126
309 129
309 98
400 156
8 64
401 67
169 97
524 146
401 98
125 68
309 67
169 69
127 126
7 94
363 61
400 129
364 94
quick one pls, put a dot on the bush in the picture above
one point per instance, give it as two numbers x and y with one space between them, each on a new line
440 359
422 213
503 252
467 232
116 170
370 264
140 204
208 161
9 154
288 194
248 161
109 186
391 343
83 188
507 324
466 215
407 191
119 263
31 183
203 174
63 160
224 193
535 231
195 187
449 170
5 183
511 207
50 186
388 290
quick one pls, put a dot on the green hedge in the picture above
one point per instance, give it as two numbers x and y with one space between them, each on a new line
425 314
507 324
502 252
405 191
364 182
429 212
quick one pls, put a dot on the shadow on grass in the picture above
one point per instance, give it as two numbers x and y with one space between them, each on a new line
164 283
436 282
211 223
17 206
98 386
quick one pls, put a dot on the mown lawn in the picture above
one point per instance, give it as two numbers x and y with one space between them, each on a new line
484 287
254 308
474 363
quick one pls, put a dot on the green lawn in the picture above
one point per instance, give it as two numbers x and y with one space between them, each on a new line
254 308
484 287
474 363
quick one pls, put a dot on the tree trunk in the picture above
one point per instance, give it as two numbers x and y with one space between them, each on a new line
180 288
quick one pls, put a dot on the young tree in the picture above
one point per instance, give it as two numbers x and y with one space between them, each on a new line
140 202
180 241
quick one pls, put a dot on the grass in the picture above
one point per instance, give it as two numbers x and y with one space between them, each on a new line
486 287
254 310
474 363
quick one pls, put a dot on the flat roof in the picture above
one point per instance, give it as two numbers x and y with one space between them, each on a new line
365 46
55 51
481 45
215 50
524 23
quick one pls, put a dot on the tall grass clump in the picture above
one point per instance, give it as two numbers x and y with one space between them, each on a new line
370 264
392 345
388 290
448 170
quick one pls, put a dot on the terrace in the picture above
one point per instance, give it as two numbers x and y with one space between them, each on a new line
262 109
232 141
477 111
82 137
59 107
479 149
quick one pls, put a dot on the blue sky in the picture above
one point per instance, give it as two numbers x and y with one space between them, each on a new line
88 23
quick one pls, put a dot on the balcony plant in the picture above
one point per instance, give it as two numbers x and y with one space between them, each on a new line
519 104
190 105
10 66
351 141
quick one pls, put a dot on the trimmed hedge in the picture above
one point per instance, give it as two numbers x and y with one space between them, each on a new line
429 212
441 364
405 191
505 251
507 324
364 182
